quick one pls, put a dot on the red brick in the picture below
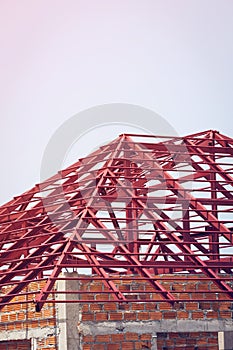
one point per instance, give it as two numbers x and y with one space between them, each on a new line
190 287
213 286
102 297
157 297
102 338
198 296
150 306
146 336
34 324
87 296
138 306
4 318
203 286
144 296
191 306
117 337
46 313
85 307
194 335
123 306
95 288
98 347
169 342
143 316
95 307
88 317
205 305
202 341
148 287
213 296
127 346
43 323
51 341
88 339
225 314
10 326
18 325
87 347
129 316
178 287
12 317
144 345
169 315
165 306
156 315
101 316
21 316
181 342
213 340
131 336
110 306
197 315
182 314
185 296
51 322
113 346
191 341
212 314
115 316
224 305
130 297
125 287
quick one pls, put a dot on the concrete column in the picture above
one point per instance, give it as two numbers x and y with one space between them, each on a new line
68 315
33 344
61 317
154 342
225 340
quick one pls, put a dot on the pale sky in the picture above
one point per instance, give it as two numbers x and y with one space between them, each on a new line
61 57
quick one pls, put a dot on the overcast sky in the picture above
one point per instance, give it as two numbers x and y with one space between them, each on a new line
61 57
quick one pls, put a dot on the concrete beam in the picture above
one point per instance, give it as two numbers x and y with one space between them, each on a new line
154 327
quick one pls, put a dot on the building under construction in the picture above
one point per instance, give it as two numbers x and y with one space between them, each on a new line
129 248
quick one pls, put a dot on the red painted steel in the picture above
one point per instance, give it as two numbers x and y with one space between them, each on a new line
143 207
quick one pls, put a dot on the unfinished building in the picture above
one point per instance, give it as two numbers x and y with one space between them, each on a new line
129 248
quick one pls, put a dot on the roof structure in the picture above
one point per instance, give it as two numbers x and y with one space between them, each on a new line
146 207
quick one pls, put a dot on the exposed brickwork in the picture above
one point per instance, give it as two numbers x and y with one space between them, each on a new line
16 345
22 317
108 310
127 341
165 341
48 343
187 341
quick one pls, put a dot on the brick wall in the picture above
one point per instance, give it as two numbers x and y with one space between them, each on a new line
187 341
20 321
108 310
127 341
16 345
165 341
106 324
116 319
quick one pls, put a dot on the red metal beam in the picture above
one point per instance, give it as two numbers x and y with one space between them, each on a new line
138 205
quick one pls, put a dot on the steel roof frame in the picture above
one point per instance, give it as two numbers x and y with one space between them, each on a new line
143 205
